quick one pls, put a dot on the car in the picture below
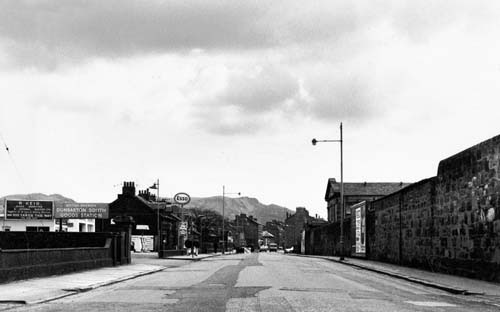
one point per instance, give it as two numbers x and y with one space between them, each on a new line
289 250
264 248
273 247
240 249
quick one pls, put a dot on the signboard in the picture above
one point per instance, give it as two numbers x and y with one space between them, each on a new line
28 209
183 228
143 243
81 211
2 210
182 198
360 217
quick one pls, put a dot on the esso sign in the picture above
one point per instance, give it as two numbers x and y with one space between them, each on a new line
182 198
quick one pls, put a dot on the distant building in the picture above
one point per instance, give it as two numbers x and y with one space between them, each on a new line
245 231
354 193
277 229
294 225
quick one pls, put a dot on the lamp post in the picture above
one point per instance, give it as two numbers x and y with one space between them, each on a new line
156 186
223 234
314 141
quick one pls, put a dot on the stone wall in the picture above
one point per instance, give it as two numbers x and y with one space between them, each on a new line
467 215
383 229
33 254
448 223
400 226
325 239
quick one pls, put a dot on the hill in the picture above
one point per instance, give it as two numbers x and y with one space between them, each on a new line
247 205
233 206
39 196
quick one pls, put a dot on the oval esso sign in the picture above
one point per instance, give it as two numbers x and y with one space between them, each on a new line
182 198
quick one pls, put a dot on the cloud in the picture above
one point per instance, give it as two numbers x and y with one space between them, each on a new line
280 58
54 30
265 89
48 33
255 97
227 121
339 98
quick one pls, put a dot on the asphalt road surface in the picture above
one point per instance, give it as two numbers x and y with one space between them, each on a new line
266 282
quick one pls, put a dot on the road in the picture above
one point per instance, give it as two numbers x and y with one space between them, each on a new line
265 282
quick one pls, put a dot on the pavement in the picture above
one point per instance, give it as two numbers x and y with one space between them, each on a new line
183 257
450 283
45 289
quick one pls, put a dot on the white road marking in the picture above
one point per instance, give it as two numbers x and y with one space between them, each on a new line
431 303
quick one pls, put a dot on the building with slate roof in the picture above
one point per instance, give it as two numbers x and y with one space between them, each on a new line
356 192
149 216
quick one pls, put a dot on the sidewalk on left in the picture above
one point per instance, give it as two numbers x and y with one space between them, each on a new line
38 290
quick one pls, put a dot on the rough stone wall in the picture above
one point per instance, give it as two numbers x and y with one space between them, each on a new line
383 229
467 216
325 240
417 223
34 254
449 223
400 226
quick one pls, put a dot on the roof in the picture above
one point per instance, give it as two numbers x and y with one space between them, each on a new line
154 207
363 188
249 218
267 234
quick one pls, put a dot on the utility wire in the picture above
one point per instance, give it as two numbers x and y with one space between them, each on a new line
18 172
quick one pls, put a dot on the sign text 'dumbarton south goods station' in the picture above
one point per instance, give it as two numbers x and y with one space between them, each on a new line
81 211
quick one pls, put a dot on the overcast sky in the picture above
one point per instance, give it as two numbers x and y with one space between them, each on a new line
201 94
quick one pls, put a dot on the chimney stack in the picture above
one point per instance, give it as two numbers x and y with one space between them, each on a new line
128 189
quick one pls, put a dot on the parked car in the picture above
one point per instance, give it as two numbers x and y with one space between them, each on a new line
289 250
273 247
240 249
264 248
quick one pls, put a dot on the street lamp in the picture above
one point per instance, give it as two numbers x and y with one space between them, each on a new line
314 142
223 236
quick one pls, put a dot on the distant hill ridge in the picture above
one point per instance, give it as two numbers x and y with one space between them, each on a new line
233 206
247 205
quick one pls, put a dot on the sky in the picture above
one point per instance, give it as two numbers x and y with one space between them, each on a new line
201 94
